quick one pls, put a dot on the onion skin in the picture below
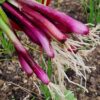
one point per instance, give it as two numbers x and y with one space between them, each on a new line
33 65
14 25
19 20
73 25
31 31
25 66
23 52
49 28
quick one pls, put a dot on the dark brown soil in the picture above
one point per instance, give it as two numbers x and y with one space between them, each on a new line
93 79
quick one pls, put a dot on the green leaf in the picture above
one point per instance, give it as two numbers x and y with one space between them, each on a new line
45 91
49 70
69 95
2 1
0 32
43 63
4 16
6 44
91 15
39 1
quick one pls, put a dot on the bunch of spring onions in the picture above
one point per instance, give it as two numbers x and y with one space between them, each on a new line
41 24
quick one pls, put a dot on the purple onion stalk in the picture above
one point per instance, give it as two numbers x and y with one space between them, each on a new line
25 66
31 31
22 52
44 23
71 24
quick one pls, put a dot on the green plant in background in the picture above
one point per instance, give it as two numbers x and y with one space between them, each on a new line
39 0
5 43
45 92
94 16
47 63
49 70
92 10
69 95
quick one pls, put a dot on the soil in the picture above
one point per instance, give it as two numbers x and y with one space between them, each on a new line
93 79
16 85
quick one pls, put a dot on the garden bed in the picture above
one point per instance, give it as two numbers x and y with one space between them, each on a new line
16 85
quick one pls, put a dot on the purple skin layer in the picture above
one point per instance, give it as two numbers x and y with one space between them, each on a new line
65 20
25 65
61 27
23 52
37 25
33 65
50 28
32 31
31 36
44 42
